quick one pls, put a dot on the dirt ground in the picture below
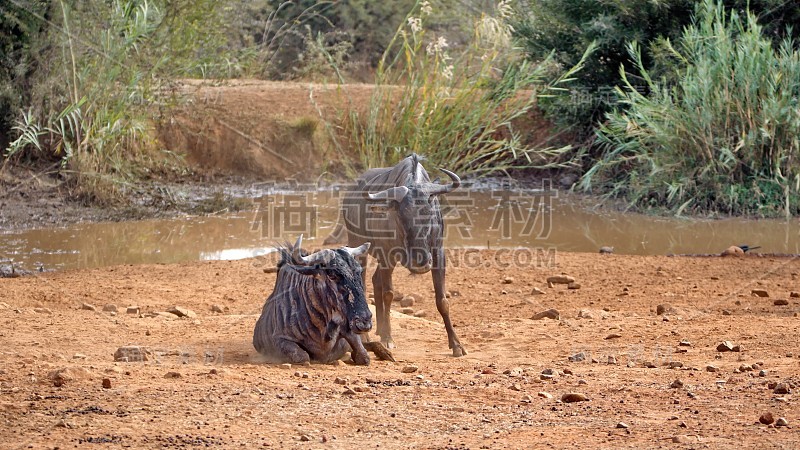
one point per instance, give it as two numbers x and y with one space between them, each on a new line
203 384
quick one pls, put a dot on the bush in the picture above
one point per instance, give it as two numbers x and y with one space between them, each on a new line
723 138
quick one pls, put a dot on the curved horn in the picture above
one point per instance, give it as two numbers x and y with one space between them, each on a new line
396 193
306 260
438 189
358 251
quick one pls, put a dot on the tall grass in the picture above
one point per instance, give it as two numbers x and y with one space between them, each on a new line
723 137
459 108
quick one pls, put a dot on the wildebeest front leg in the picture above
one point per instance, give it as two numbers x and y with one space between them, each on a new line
442 304
291 351
382 283
357 350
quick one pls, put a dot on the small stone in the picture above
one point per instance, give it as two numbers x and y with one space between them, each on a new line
781 422
515 387
572 397
342 381
536 291
574 285
725 346
737 348
612 360
407 311
508 280
106 383
583 381
677 384
421 313
132 353
762 373
78 356
684 343
110 308
546 395
767 418
287 365
682 438
547 314
559 279
526 399
173 375
712 368
675 364
182 312
780 302
88 307
407 301
348 391
42 311
745 368
613 336
782 389
726 312
606 250
578 357
132 310
759 293
409 369
794 294
664 308
304 437
217 309
360 388
515 372
488 371
622 425
63 424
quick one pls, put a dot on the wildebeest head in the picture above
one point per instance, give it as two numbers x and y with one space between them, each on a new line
418 217
341 274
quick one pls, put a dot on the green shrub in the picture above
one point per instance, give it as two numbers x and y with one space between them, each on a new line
722 138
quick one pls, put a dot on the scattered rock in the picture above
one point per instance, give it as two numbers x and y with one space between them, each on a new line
794 294
675 364
421 313
682 438
726 312
612 360
110 308
407 301
407 311
173 375
745 368
342 381
781 302
348 391
64 374
409 369
536 291
781 422
515 372
289 366
78 356
737 348
725 346
712 368
182 312
606 250
106 383
767 418
132 310
613 336
88 307
559 279
515 387
574 285
759 293
733 250
303 437
526 399
508 280
548 314
684 343
622 425
132 353
42 311
677 384
578 357
782 389
572 397
664 309
546 395
762 373
217 309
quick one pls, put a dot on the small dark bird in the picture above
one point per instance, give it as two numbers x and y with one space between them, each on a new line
746 248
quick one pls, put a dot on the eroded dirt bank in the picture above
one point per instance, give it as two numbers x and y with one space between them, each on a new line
204 385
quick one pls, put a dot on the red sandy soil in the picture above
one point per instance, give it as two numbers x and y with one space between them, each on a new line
205 386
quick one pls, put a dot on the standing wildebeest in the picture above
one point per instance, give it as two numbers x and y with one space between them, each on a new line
317 308
397 210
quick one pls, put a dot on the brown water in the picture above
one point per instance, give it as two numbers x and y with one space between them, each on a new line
482 218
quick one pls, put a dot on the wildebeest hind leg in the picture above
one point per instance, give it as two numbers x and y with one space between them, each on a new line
382 281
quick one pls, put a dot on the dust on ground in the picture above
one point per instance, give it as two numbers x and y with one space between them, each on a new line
646 376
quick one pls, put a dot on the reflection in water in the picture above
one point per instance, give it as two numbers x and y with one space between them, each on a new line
474 219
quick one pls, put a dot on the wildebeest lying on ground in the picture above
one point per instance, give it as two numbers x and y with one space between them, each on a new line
397 210
317 309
